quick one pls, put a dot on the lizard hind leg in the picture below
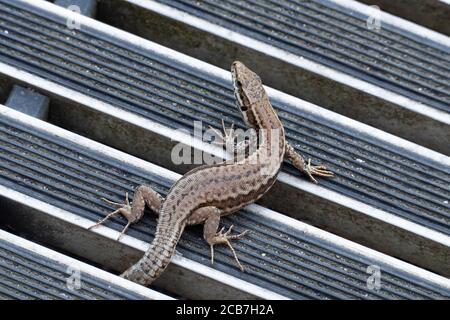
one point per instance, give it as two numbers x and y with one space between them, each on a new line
222 237
123 209
211 218
134 211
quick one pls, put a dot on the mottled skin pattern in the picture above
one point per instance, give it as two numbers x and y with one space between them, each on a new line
206 193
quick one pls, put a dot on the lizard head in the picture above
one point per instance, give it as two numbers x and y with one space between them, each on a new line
248 90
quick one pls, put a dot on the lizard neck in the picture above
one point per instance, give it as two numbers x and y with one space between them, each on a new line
269 128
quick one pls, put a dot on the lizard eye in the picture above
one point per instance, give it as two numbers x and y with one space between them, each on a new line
243 106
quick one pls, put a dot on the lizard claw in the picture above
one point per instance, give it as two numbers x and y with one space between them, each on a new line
317 170
226 137
224 238
118 204
121 208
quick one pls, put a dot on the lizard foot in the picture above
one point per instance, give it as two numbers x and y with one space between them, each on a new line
226 137
224 238
122 208
317 170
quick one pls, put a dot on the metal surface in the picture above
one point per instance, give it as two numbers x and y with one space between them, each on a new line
155 84
388 58
29 102
287 257
31 272
322 53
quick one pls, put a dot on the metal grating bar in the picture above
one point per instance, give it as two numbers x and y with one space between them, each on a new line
28 274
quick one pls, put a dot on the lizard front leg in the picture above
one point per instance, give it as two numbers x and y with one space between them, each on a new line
300 163
210 216
133 212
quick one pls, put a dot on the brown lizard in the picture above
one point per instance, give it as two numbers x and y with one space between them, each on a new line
208 192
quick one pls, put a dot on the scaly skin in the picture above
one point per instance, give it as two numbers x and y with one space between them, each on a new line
208 192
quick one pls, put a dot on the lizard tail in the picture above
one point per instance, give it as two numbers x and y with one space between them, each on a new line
154 261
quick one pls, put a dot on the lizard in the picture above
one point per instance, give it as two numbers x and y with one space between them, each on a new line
206 193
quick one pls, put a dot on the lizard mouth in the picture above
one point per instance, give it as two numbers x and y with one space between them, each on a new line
237 87
241 104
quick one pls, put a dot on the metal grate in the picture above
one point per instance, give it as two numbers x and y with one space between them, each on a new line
276 256
175 95
338 39
27 275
